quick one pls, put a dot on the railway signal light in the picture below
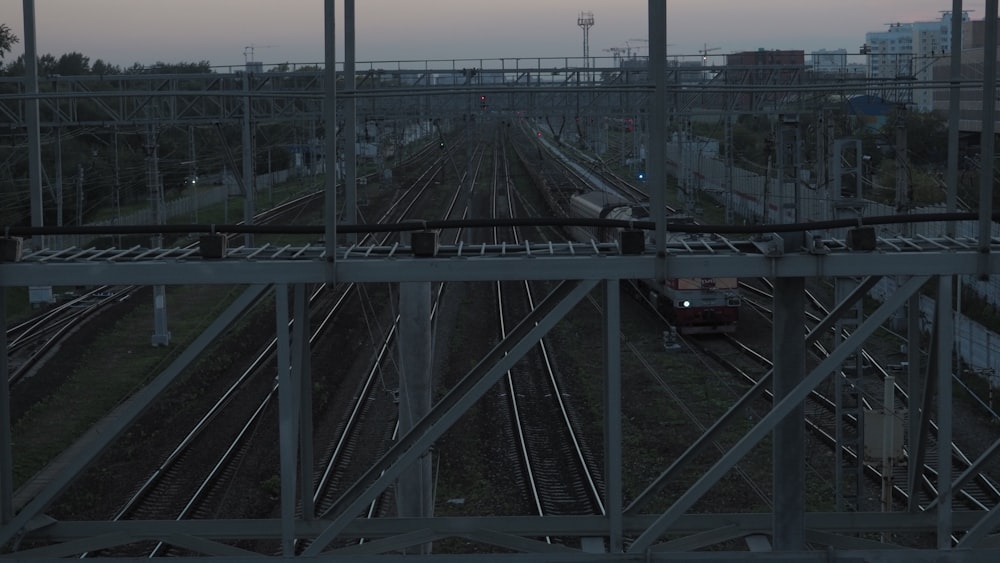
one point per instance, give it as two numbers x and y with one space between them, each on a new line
482 102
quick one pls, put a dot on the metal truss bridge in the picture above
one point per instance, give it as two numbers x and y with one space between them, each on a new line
542 87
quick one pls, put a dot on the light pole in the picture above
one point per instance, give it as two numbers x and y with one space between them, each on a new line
866 50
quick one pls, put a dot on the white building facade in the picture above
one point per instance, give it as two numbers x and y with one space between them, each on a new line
907 51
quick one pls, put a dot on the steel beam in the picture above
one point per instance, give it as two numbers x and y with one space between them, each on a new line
921 385
288 419
987 140
849 523
32 114
944 323
302 365
613 415
788 443
954 111
330 127
414 488
709 435
450 408
6 450
778 411
405 268
35 496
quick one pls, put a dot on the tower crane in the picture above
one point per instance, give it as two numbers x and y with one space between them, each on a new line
628 45
616 52
704 53
249 49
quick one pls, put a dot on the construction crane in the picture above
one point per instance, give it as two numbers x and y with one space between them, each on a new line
616 52
249 49
628 45
704 53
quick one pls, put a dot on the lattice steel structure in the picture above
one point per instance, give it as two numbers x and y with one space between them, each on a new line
787 257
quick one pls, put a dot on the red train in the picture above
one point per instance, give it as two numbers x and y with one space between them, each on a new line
692 305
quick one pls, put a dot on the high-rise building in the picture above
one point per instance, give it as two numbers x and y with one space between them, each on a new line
974 53
907 52
889 52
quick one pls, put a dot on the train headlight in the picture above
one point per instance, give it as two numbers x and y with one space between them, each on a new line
684 304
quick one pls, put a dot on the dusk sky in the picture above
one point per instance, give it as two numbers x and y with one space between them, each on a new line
123 32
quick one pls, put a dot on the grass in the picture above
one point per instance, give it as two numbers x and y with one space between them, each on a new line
16 304
116 365
122 360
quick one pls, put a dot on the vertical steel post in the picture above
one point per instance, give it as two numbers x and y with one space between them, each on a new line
288 421
730 168
902 167
916 385
31 114
954 108
58 195
161 333
789 434
330 126
945 325
987 141
193 171
789 164
249 172
414 498
657 179
302 369
613 415
6 446
350 123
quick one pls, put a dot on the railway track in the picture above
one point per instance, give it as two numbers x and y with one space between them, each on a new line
558 471
158 494
979 491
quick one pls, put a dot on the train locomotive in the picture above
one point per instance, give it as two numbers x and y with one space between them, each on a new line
691 305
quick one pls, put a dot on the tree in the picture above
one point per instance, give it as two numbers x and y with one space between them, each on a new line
7 40
73 64
103 68
160 67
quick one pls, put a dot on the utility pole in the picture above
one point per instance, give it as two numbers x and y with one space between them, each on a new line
59 179
79 194
161 336
32 117
249 174
788 156
730 166
116 196
193 171
902 166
